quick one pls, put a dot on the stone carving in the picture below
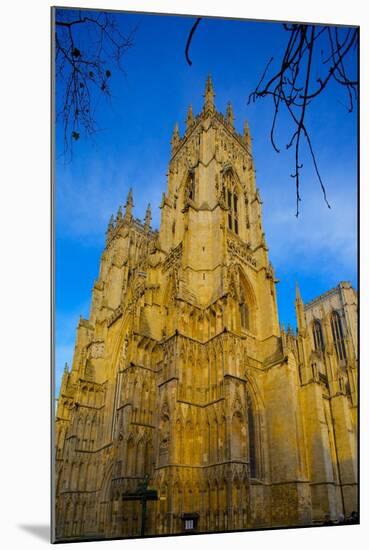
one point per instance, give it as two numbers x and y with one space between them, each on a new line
115 315
241 250
97 350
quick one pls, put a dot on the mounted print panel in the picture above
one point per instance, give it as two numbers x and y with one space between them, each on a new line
203 168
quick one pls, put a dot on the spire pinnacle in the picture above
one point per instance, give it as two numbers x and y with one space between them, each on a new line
209 96
110 227
148 217
298 295
175 138
190 118
66 369
300 312
246 135
129 198
230 115
129 206
119 214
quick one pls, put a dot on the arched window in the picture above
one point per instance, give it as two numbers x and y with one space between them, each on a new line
337 333
190 186
231 198
318 336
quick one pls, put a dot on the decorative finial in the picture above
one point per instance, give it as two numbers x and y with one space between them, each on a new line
66 369
300 313
190 118
230 115
175 141
129 198
298 295
119 215
246 136
209 96
111 221
148 217
129 206
110 227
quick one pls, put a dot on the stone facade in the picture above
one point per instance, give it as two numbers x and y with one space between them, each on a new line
182 371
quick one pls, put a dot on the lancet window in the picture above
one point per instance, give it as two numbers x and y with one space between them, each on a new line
318 336
338 337
231 197
190 186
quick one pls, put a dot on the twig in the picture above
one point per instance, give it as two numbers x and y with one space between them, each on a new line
189 39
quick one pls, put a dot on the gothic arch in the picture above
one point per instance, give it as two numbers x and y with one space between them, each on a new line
338 335
317 330
247 302
255 413
232 193
189 186
228 168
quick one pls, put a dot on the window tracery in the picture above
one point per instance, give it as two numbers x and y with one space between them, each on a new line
231 196
190 189
338 337
318 336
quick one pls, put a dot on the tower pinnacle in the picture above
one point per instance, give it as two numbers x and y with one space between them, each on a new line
148 217
175 138
119 215
110 227
190 118
230 115
209 96
246 136
129 206
298 295
300 313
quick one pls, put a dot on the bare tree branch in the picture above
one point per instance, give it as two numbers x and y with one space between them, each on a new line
189 40
290 86
87 47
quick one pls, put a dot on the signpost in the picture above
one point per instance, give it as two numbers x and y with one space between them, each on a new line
143 494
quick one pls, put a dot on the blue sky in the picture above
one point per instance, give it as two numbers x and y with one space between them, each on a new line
132 149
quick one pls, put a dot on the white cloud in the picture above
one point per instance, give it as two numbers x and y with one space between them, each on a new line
320 240
84 206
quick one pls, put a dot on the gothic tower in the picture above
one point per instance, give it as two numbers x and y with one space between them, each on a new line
181 371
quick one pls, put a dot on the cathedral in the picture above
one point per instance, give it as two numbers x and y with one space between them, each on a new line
184 385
